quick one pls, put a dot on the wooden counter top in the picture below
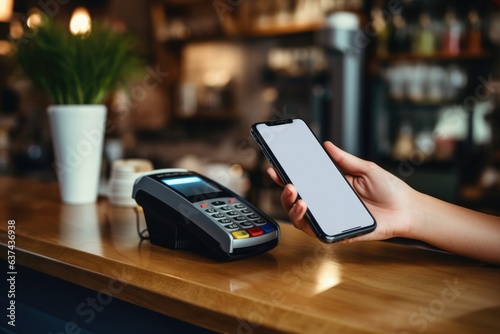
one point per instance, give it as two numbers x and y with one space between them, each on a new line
301 286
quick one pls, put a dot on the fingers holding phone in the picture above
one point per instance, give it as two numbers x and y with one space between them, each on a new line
334 211
296 209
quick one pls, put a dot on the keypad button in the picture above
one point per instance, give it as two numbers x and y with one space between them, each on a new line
253 216
232 227
259 221
239 206
225 221
240 219
240 234
203 205
233 213
218 203
246 211
246 224
218 215
255 231
267 228
225 208
211 210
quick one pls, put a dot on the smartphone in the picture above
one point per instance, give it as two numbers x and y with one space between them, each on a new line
335 212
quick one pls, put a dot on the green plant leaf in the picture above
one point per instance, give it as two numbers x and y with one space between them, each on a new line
77 69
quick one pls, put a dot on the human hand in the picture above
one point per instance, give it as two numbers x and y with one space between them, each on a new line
388 198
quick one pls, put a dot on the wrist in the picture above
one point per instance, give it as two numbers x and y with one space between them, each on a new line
418 213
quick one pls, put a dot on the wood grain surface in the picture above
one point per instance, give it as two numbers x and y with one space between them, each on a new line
301 286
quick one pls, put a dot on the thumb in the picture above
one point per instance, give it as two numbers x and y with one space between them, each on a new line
349 163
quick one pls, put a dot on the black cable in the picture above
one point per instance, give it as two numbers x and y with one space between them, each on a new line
138 210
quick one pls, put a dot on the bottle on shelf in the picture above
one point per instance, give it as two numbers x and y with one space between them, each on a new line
452 34
473 35
381 28
399 39
425 38
404 144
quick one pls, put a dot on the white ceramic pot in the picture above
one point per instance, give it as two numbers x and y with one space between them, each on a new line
78 136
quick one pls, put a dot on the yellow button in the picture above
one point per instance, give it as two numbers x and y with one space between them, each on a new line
240 234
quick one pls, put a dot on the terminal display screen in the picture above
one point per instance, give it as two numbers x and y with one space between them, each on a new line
190 185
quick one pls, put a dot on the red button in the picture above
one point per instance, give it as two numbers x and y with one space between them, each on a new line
204 205
255 231
231 200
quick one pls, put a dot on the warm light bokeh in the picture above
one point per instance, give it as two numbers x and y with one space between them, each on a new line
80 23
5 47
34 19
6 10
16 29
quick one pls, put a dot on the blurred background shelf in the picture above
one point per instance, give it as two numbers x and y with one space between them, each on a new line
438 57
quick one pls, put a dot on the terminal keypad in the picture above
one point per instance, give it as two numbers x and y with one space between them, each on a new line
235 217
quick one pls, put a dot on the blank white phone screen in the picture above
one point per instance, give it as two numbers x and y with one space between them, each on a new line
320 184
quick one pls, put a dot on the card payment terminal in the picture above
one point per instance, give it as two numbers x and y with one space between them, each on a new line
185 210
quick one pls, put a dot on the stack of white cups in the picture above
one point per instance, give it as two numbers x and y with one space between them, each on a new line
123 176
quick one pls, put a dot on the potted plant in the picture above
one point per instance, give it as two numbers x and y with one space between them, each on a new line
77 72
